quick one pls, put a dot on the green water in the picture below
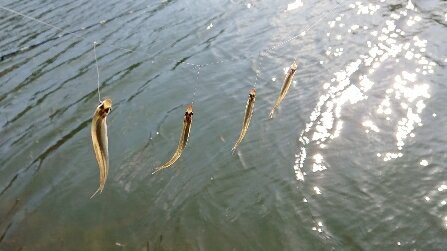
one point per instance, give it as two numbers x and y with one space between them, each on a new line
353 160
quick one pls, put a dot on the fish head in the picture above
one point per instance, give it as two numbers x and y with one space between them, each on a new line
188 113
293 66
189 110
105 107
252 93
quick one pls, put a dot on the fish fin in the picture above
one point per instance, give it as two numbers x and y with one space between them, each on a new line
167 164
99 190
238 141
233 150
271 113
158 169
170 162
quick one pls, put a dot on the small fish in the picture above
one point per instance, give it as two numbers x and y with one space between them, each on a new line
101 141
183 139
285 88
248 114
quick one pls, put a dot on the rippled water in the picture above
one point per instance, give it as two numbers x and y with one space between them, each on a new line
354 160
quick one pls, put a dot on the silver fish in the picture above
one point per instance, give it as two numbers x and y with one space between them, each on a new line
285 88
187 121
101 141
248 114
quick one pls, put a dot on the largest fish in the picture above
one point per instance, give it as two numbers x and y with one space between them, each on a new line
101 141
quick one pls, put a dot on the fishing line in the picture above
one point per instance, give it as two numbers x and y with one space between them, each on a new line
197 67
260 56
194 95
305 30
281 44
85 39
97 69
308 28
257 70
193 65
306 196
39 21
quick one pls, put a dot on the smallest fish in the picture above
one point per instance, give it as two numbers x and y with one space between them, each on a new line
100 141
285 88
248 114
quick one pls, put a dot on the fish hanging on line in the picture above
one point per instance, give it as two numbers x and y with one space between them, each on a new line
248 114
101 141
183 139
285 88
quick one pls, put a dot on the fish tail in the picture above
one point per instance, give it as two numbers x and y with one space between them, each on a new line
233 150
239 140
174 158
164 166
157 169
277 103
271 113
100 188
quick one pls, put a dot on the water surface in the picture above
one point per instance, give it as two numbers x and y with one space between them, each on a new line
354 159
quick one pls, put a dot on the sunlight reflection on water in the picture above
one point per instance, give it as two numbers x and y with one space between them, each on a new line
342 90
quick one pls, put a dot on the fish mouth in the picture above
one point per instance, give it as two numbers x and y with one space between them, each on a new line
293 66
107 103
189 109
253 92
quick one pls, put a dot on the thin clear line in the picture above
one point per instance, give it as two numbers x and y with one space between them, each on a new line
97 69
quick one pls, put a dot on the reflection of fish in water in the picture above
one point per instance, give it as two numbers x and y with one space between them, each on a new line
101 141
247 117
183 139
285 88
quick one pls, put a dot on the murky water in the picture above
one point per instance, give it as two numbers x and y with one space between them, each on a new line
354 159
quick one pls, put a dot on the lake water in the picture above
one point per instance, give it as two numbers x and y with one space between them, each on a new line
355 158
